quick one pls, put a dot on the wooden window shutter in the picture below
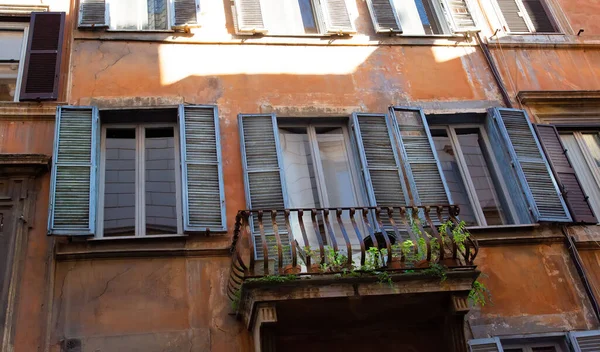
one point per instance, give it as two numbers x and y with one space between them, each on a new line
573 193
337 17
185 12
485 345
585 341
263 172
534 173
539 16
423 170
41 72
92 13
459 15
73 185
384 16
513 16
379 159
202 172
248 17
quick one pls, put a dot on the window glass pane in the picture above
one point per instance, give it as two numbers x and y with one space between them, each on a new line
119 183
289 17
592 142
12 44
428 17
8 88
544 349
451 170
471 144
336 168
138 14
161 196
513 350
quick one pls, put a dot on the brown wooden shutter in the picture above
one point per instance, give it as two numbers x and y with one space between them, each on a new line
573 193
539 16
42 60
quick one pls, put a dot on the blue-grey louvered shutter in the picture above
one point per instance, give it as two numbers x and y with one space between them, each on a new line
248 17
585 341
379 159
485 345
337 17
423 170
201 169
459 16
93 13
384 16
533 171
185 12
73 189
263 172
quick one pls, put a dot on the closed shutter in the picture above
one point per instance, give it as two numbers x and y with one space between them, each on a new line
424 173
539 16
485 345
536 179
379 160
459 16
202 173
337 17
42 59
573 193
263 174
513 16
585 341
384 16
73 185
185 12
248 17
92 13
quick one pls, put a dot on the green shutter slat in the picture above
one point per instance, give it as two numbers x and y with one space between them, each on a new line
185 12
531 165
92 13
72 199
512 16
202 170
385 18
248 17
337 17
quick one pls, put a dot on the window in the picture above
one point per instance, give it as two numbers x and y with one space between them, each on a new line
160 172
13 41
538 347
421 17
138 15
139 188
552 342
292 17
471 175
525 16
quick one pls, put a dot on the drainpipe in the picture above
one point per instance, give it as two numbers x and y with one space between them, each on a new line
581 271
490 61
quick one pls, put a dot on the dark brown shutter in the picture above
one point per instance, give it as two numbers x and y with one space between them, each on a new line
42 60
576 199
539 16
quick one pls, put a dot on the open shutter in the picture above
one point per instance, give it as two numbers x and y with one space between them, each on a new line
379 160
42 58
92 13
248 16
485 345
459 16
201 169
263 173
585 341
573 193
185 12
539 16
513 16
384 16
423 170
337 17
535 176
73 186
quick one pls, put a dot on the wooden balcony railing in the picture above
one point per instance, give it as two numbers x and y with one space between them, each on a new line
339 240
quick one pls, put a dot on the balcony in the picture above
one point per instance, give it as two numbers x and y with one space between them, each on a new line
310 260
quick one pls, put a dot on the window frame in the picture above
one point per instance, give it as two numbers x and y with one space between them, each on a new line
528 347
170 19
466 176
526 18
18 26
360 193
318 15
140 186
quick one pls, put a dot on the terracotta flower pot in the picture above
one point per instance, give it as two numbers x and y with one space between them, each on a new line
314 268
291 270
396 264
422 264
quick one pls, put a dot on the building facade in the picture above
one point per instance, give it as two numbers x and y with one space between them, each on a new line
260 175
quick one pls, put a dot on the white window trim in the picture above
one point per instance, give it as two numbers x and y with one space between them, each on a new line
25 27
466 176
170 19
140 193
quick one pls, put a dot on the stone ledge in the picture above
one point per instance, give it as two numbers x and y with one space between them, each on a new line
560 97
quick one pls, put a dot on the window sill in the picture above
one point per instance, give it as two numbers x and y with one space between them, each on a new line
140 31
480 229
121 238
550 40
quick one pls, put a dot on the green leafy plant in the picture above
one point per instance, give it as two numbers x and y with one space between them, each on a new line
479 294
373 259
273 278
334 261
436 270
458 231
235 302
384 277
